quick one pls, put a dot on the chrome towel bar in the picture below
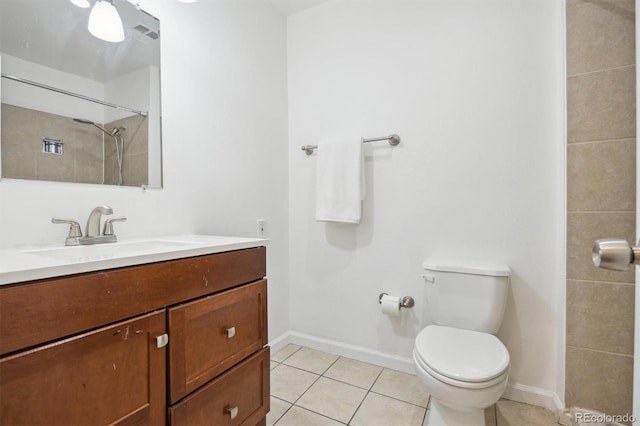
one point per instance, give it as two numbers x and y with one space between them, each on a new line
393 141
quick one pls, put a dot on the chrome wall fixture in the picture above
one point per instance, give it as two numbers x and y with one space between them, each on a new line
405 302
393 141
614 254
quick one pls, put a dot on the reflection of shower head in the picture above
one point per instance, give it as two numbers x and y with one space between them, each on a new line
112 133
118 139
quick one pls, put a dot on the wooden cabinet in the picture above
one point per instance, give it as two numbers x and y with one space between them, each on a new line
88 349
113 375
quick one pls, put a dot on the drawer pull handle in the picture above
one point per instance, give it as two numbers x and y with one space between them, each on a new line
233 412
161 341
231 331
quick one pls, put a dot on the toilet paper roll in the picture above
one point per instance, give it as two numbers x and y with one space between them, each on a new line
390 305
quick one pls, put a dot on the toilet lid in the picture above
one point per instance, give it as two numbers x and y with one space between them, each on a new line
464 355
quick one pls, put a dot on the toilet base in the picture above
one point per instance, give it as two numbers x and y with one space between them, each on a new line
442 415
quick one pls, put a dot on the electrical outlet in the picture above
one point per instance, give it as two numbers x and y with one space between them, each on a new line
262 228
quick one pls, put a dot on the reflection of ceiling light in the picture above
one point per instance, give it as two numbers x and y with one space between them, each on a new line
105 22
81 3
187 1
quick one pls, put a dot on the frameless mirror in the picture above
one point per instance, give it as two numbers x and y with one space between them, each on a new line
76 108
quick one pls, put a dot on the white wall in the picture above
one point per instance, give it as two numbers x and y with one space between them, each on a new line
132 90
224 143
474 89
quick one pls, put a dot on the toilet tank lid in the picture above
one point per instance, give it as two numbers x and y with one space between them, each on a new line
466 266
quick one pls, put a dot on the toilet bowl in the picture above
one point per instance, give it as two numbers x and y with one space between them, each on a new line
464 372
461 364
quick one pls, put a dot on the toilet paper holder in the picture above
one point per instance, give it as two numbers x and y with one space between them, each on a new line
405 302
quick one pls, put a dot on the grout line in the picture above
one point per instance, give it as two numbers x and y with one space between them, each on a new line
307 389
323 415
570 143
366 395
306 409
601 70
600 282
402 400
285 411
599 351
424 418
599 211
495 413
330 365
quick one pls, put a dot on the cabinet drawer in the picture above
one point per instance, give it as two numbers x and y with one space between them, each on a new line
242 391
114 375
210 335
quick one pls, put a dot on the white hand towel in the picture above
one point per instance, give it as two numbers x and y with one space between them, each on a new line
340 181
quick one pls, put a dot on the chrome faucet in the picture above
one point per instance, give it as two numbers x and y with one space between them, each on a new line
93 223
92 229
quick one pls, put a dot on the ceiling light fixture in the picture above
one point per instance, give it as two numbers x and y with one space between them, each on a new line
105 22
81 3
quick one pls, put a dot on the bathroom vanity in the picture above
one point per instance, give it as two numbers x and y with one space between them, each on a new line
174 337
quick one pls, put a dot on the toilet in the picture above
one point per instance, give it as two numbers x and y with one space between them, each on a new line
460 362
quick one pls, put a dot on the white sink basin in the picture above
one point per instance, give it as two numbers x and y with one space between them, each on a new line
20 265
111 250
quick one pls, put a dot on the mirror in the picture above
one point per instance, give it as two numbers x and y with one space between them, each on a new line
76 108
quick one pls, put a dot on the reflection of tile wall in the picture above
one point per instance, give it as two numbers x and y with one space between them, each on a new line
135 162
601 201
22 156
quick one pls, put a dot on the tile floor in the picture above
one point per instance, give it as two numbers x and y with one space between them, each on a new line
313 388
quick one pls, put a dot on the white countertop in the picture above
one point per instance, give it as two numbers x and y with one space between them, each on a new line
26 264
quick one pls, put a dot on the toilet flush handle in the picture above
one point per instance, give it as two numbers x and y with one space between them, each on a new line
428 278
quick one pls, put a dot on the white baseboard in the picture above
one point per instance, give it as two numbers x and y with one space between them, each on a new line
515 391
534 396
358 353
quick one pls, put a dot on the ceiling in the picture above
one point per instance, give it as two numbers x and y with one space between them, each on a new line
289 7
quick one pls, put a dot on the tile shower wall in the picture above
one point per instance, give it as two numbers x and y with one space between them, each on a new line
135 161
601 201
82 158
22 156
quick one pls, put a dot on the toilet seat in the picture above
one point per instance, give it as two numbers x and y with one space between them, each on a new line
462 358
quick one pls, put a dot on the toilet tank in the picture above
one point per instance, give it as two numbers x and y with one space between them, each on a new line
467 294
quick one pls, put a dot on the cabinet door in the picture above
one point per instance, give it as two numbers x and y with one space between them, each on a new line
210 335
238 397
114 375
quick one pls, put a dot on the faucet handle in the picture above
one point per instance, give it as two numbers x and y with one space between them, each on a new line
74 228
108 224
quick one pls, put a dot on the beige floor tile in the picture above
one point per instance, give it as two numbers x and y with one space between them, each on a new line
278 408
289 383
273 365
333 399
510 413
311 360
402 386
379 410
285 352
354 372
297 416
